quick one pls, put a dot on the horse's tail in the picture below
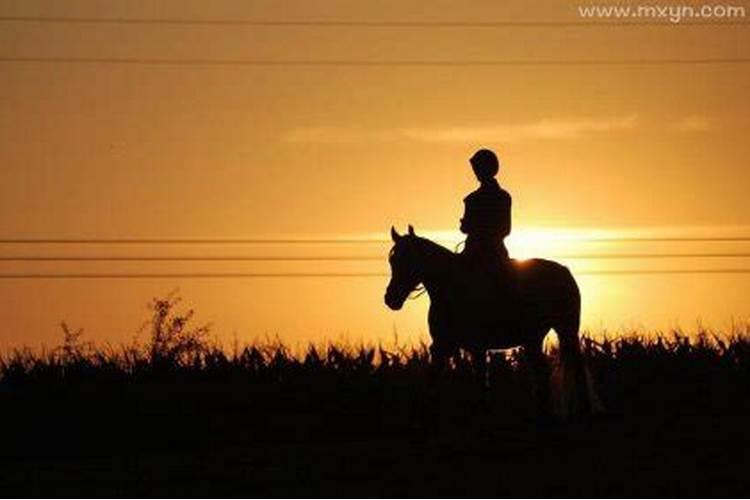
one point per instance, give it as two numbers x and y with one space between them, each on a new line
577 394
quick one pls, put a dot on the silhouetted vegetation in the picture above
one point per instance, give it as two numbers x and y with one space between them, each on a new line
179 414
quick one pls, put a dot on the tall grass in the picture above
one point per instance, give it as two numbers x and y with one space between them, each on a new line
179 389
637 373
176 345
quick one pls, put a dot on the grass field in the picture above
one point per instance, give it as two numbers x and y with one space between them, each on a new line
178 415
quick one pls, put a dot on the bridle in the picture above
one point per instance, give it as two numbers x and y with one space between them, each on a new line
420 289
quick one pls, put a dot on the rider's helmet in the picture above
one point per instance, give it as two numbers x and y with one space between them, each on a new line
485 164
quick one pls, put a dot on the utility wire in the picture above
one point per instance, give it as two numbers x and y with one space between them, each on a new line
188 275
373 62
190 241
334 241
269 258
344 258
362 24
327 274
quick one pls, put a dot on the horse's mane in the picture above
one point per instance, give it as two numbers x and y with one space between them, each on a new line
434 249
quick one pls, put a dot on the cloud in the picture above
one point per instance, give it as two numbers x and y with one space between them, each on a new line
693 123
341 135
552 129
546 129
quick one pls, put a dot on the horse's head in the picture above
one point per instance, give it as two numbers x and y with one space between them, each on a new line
405 275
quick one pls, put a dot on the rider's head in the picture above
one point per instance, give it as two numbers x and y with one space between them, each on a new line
485 164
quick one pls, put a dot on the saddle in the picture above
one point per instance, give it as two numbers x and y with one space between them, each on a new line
491 301
492 276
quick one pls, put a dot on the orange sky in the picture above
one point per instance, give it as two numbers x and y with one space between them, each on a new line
110 151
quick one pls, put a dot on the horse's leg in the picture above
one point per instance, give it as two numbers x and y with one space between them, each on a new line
574 393
428 410
479 361
440 352
440 330
540 375
482 376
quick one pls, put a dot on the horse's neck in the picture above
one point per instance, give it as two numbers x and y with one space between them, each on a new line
438 266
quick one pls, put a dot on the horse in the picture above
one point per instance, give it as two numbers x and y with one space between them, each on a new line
469 311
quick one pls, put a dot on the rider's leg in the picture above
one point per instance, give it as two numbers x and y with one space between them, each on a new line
540 376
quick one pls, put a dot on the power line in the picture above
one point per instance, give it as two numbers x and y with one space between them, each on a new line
664 239
344 258
664 271
594 256
188 275
191 241
273 258
327 275
342 241
372 62
361 24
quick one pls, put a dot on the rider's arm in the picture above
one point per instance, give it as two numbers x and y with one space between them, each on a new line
465 219
505 225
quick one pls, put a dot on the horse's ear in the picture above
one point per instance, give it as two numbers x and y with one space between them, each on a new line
394 234
411 230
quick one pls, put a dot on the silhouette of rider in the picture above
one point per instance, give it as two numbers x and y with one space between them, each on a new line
486 220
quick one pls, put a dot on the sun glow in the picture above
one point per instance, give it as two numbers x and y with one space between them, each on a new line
531 243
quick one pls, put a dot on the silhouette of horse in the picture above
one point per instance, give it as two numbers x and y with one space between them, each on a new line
468 312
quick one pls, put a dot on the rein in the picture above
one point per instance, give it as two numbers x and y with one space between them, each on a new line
421 290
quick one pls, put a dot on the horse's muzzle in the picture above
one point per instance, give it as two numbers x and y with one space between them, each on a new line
394 299
392 302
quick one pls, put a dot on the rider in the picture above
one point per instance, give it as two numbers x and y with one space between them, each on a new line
486 220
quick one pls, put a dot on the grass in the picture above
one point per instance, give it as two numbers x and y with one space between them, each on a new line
179 414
